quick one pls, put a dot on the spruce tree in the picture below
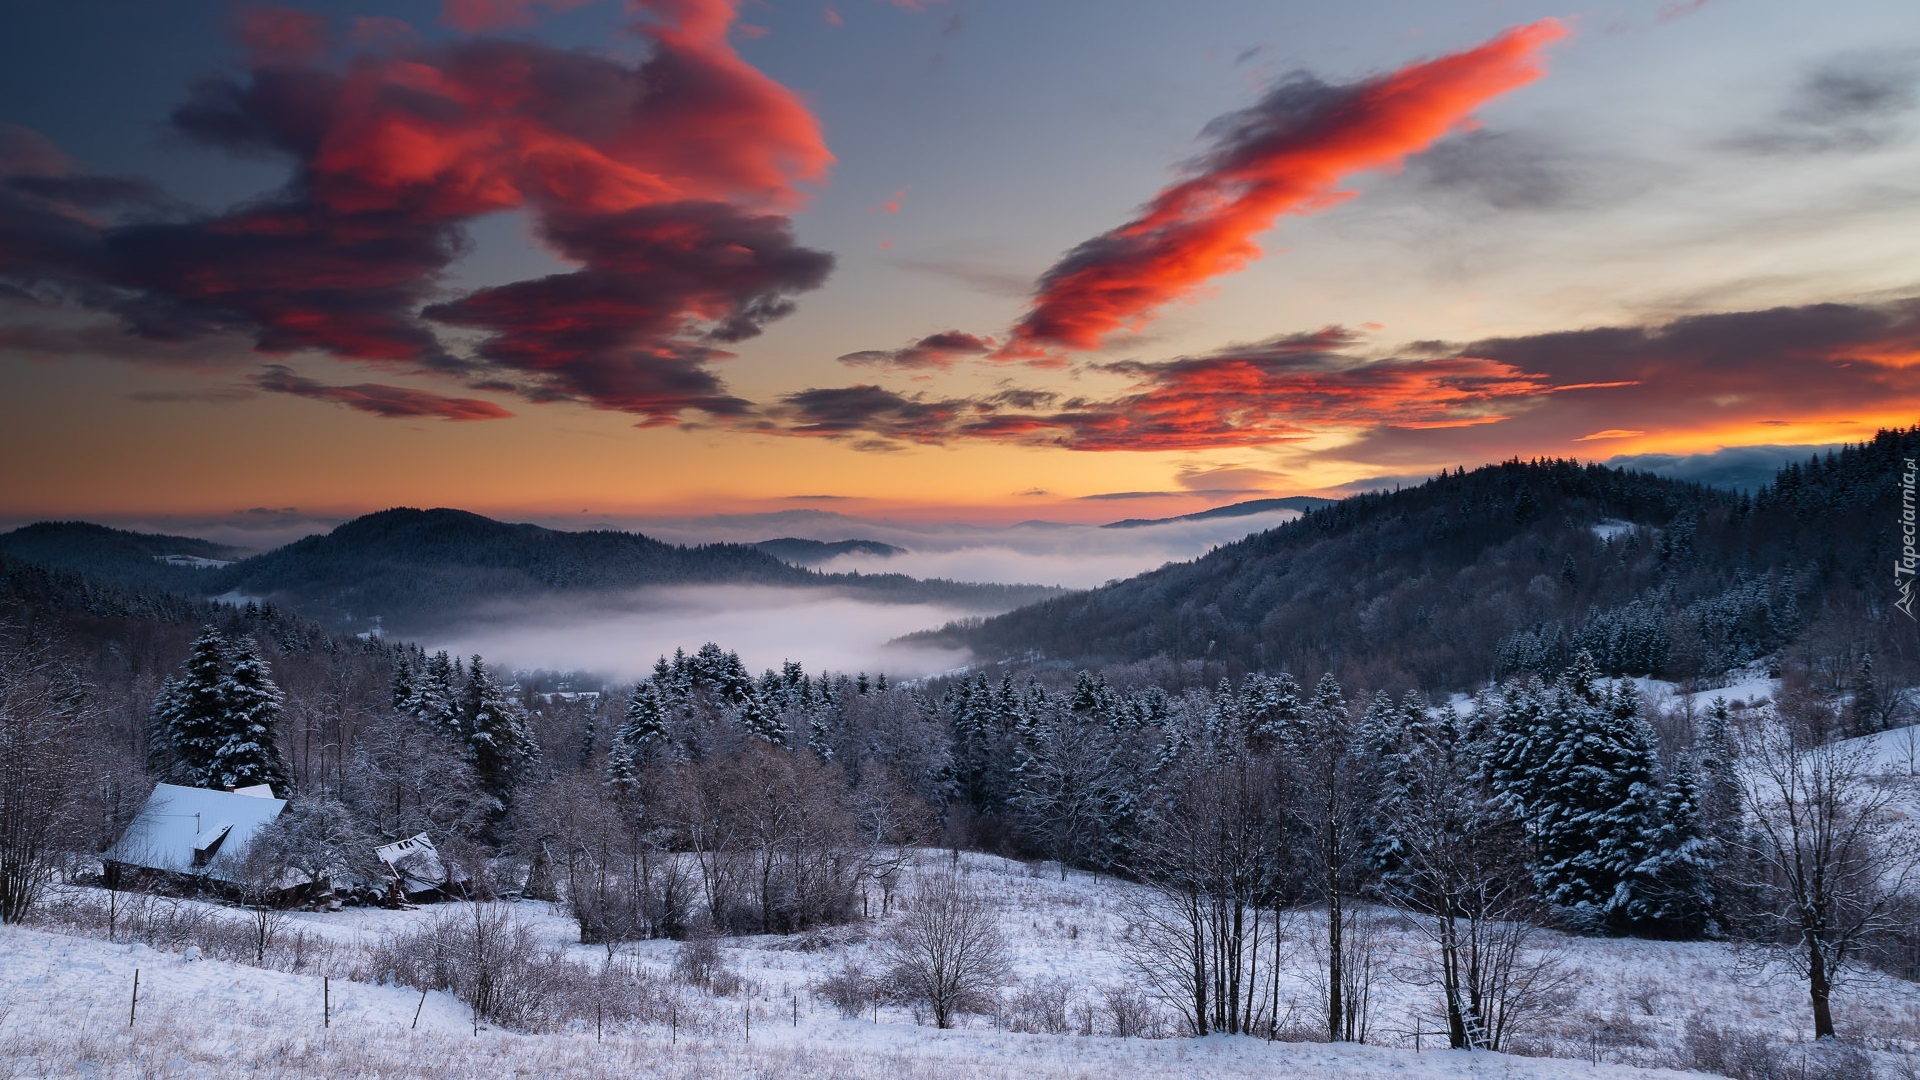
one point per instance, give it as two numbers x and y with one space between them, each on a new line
499 741
161 759
436 700
762 719
1673 892
249 754
1595 805
640 740
402 689
193 710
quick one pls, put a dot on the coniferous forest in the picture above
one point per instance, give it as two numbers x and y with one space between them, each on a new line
1417 705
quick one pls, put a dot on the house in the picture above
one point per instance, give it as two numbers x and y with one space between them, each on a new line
192 836
418 871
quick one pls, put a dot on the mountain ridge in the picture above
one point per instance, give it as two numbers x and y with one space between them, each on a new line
1500 570
1301 503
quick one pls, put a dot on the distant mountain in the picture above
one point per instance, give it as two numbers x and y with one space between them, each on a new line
800 552
1302 503
415 569
1517 567
145 560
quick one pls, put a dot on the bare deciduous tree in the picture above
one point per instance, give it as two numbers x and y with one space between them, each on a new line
1214 856
1460 871
945 948
42 708
1834 857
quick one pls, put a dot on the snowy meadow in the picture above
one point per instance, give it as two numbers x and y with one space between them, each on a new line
1624 1007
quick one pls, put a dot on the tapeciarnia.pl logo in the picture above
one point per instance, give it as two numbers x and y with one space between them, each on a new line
1904 566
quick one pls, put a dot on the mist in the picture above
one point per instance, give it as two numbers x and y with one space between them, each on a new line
1037 553
621 637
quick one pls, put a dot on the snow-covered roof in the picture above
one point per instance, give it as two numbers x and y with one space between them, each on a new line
194 830
416 862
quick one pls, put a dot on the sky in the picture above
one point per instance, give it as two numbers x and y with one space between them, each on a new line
975 261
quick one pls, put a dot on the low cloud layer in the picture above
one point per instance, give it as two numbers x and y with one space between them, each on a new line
1039 553
622 637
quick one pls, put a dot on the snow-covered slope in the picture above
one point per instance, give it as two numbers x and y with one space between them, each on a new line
64 1012
64 1002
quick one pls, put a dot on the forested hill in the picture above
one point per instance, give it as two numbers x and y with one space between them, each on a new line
414 569
1516 567
118 555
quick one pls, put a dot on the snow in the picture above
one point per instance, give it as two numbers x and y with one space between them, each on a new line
178 825
1612 529
195 562
63 1002
66 1005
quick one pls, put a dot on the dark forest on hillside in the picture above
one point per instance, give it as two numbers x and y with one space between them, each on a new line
1517 567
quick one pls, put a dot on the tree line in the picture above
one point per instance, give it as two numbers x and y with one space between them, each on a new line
704 799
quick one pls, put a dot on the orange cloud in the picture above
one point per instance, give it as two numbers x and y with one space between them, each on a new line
1815 373
1288 154
1279 391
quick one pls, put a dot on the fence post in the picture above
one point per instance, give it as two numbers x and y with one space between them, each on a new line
749 1013
134 1005
417 1008
326 1001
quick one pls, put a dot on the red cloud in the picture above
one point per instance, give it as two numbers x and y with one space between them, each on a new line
392 402
657 283
1834 370
1287 154
1278 391
683 157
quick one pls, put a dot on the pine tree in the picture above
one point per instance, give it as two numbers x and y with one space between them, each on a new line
1272 705
1595 806
640 741
1866 699
760 718
435 700
403 691
1522 739
589 742
193 710
162 761
499 741
249 754
1673 889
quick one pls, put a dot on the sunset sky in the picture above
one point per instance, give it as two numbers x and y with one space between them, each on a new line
934 259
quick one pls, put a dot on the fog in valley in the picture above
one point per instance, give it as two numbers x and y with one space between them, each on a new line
620 638
1036 552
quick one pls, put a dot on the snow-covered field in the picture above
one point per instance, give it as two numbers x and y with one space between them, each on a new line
64 1003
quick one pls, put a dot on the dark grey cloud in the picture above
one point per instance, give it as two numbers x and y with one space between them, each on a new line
941 350
1517 170
1848 104
378 399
